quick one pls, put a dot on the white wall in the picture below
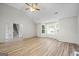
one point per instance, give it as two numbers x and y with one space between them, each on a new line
78 23
67 32
10 15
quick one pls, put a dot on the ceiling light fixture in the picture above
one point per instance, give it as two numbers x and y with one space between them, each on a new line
33 7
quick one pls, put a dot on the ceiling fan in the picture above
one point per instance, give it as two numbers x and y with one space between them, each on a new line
33 7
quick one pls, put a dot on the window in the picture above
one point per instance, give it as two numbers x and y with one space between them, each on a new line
43 29
52 28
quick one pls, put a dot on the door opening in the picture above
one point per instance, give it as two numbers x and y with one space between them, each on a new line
15 30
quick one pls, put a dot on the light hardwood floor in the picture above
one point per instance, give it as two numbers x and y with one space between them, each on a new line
38 47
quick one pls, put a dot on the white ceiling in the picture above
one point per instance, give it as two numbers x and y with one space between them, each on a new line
47 11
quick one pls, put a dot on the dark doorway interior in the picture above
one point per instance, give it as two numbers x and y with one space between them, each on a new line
15 30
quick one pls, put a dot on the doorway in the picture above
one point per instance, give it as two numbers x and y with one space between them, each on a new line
15 30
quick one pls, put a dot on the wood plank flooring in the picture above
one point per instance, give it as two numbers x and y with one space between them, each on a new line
38 47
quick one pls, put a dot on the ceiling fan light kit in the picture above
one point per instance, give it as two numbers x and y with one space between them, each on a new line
32 9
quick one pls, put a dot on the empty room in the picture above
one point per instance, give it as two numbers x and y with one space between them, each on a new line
39 29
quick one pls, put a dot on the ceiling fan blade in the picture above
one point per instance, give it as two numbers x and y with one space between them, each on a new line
27 9
28 4
32 6
37 9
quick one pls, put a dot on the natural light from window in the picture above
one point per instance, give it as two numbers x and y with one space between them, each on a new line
50 28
